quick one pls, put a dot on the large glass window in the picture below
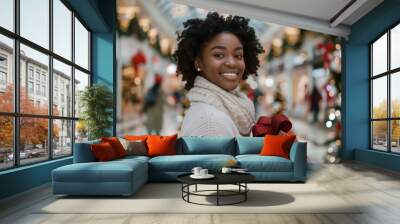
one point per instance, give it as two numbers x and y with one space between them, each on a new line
3 71
35 21
46 79
7 75
7 14
62 29
395 47
33 140
379 56
62 137
62 80
385 96
81 45
32 58
6 142
81 81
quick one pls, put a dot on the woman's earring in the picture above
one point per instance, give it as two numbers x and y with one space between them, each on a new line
198 69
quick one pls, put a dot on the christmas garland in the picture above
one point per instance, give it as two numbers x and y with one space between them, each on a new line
287 46
134 29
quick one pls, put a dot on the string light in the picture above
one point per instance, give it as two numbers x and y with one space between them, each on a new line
329 124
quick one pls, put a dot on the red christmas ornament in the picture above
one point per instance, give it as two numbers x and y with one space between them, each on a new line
137 59
158 78
326 49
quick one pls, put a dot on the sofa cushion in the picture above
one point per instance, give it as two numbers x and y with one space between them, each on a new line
249 145
257 163
205 145
134 147
136 137
103 151
277 145
116 145
185 163
161 145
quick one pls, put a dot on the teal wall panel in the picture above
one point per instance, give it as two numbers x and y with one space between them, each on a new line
104 66
24 178
89 11
377 158
356 99
104 54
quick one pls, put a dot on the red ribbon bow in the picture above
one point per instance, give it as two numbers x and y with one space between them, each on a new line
271 125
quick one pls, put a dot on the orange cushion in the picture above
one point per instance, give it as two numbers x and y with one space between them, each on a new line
161 145
103 151
116 145
136 137
277 145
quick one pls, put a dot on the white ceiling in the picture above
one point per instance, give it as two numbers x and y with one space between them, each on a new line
321 9
315 15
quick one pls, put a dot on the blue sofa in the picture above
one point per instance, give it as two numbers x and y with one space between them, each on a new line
125 176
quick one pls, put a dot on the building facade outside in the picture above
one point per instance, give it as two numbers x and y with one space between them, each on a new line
34 82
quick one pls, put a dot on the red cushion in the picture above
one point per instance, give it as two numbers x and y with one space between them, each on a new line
161 145
116 145
277 145
103 151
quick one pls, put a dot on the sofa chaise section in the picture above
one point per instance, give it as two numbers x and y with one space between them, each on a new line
87 177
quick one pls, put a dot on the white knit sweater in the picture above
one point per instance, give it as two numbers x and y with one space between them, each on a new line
202 119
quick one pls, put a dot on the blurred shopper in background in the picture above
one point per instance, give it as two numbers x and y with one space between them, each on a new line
279 100
314 102
154 107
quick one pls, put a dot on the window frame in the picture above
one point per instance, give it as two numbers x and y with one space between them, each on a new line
16 114
388 74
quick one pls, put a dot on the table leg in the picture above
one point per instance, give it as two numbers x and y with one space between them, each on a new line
245 193
217 194
188 190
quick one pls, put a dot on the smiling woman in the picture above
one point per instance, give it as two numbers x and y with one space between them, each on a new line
214 55
221 61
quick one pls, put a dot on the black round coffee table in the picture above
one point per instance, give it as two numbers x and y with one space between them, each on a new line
238 179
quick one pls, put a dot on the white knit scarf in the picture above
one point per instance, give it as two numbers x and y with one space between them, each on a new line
234 103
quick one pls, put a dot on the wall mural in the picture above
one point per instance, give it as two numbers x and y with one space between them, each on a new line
193 84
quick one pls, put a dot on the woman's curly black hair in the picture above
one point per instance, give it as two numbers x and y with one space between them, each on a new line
197 32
